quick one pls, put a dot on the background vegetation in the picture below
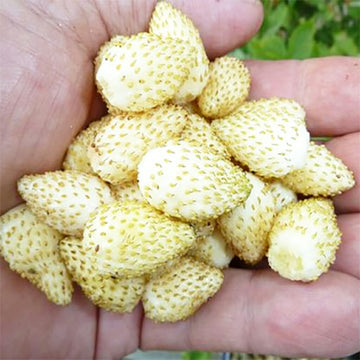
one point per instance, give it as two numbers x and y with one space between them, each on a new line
299 29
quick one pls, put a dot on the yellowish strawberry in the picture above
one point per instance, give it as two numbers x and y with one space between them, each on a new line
131 238
122 142
198 132
64 199
143 72
177 293
246 227
113 294
127 191
189 183
31 249
323 174
268 136
115 41
227 88
76 156
304 239
169 22
212 250
282 195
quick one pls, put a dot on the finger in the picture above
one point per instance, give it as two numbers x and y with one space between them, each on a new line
260 312
223 25
118 334
328 88
348 254
346 148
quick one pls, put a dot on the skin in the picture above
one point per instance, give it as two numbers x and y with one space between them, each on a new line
47 96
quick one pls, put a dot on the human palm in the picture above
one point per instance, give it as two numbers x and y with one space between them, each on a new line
47 96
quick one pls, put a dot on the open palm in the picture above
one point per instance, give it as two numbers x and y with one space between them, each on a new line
47 96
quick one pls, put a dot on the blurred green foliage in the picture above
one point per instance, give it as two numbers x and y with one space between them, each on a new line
299 29
196 355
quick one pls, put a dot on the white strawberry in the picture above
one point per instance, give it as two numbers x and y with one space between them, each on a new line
212 250
323 174
64 199
169 22
177 293
304 239
198 132
246 227
282 195
31 249
115 41
76 156
113 294
127 191
268 136
122 142
131 238
227 88
143 72
187 182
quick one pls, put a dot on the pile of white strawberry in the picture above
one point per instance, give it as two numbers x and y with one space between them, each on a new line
183 174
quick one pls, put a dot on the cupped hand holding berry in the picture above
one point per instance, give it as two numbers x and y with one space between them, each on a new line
48 95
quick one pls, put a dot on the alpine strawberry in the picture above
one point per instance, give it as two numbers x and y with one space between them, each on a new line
131 238
31 249
227 88
190 183
268 135
323 174
113 294
169 22
304 239
64 199
246 227
176 294
143 72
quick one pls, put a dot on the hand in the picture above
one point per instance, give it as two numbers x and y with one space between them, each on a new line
48 95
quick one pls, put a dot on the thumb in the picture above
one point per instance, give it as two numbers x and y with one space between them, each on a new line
223 24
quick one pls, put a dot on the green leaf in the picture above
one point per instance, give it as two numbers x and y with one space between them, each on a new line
276 19
292 3
354 9
268 47
344 45
320 49
306 28
196 355
316 3
301 41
